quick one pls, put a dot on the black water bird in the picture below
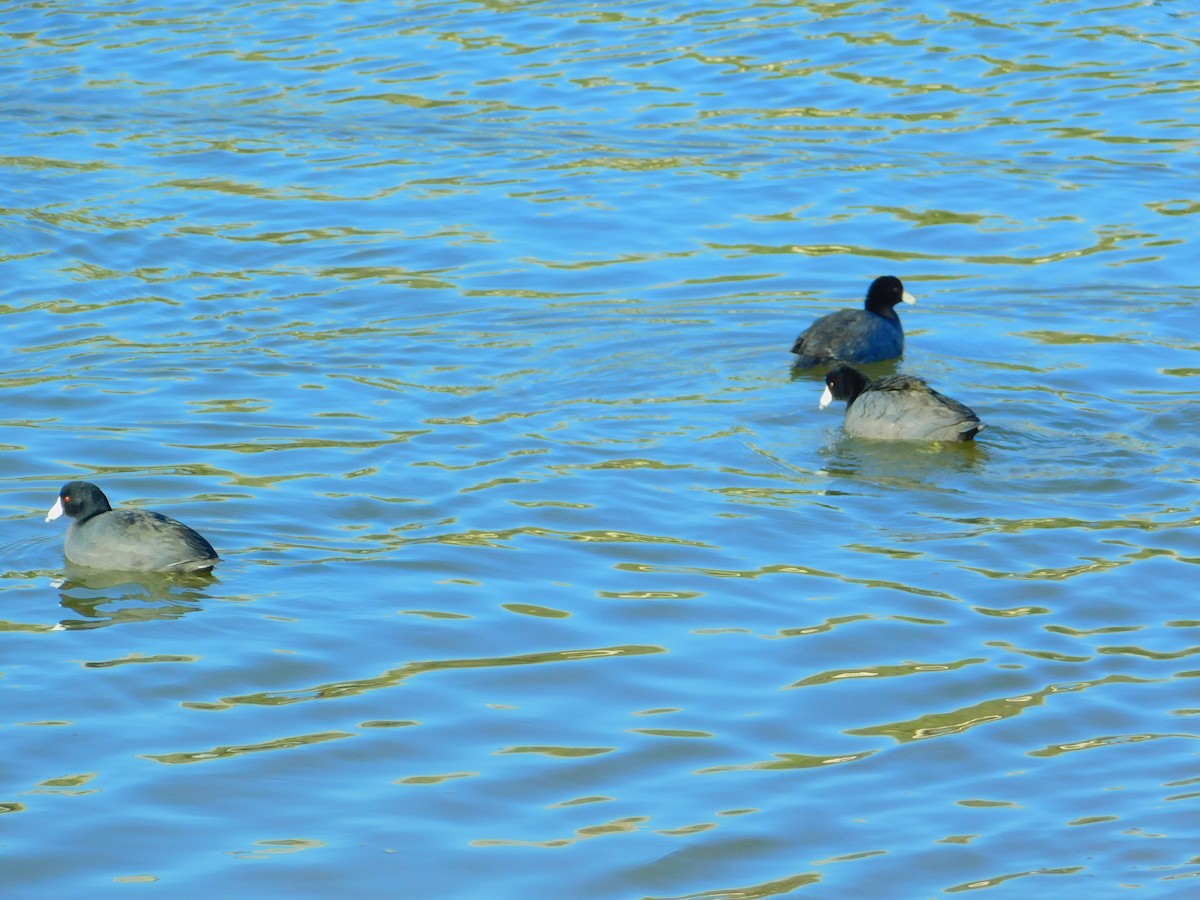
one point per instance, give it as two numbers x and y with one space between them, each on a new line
128 540
898 408
870 334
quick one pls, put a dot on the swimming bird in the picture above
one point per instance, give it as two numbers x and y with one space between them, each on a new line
898 408
128 540
866 335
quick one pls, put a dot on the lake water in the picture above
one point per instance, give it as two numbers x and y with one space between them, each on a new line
461 330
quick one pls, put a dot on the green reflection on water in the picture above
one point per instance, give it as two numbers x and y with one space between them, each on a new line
791 761
1106 740
273 848
138 658
615 826
883 671
961 720
434 779
497 538
754 891
1000 879
562 752
393 677
542 612
231 750
69 785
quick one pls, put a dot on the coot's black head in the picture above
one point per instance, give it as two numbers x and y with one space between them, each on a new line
80 500
843 383
884 293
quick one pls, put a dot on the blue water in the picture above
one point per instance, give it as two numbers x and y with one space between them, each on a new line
461 331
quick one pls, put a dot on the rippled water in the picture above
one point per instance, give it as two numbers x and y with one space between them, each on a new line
461 330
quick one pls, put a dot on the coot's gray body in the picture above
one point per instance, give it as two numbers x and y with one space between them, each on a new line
870 334
127 540
898 408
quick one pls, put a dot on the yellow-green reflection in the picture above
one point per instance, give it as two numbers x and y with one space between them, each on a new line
791 761
753 891
914 668
960 720
393 677
560 752
228 751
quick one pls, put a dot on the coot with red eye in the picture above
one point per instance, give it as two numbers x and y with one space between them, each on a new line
126 540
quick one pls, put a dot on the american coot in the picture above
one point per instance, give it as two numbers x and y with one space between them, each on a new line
127 540
870 334
898 408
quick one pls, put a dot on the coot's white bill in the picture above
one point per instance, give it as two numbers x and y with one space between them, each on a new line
55 511
826 399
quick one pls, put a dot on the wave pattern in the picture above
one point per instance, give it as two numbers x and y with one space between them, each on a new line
461 330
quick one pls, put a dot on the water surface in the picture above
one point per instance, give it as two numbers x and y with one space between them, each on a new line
461 331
